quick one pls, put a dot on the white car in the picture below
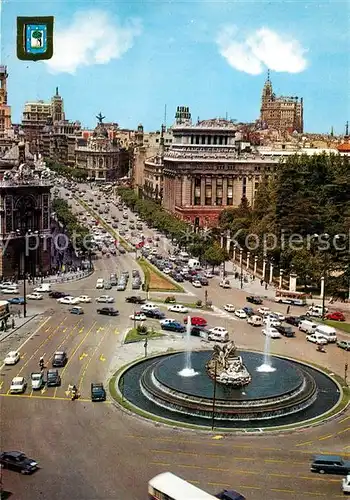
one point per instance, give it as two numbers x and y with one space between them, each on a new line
197 284
37 381
167 320
149 307
271 332
218 329
100 283
241 314
178 308
280 316
272 321
85 299
18 385
208 274
229 308
316 339
106 299
138 317
35 296
263 310
225 284
68 300
12 358
10 291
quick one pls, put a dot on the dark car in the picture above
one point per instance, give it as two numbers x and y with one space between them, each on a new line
330 464
57 295
286 331
121 250
178 277
174 326
156 314
18 461
203 281
97 392
108 311
229 495
135 300
199 331
293 320
248 310
17 300
59 359
53 378
254 300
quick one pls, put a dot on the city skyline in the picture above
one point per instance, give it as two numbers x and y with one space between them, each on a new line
212 57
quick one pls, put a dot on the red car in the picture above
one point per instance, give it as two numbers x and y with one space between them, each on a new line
196 321
336 316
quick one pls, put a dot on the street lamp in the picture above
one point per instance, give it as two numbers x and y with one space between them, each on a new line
241 265
24 234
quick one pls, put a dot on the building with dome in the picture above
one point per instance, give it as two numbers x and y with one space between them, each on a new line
102 156
25 225
280 112
208 168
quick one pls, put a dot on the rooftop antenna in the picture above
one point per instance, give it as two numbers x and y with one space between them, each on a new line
226 116
347 129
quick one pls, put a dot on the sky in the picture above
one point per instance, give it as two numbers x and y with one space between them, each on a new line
131 58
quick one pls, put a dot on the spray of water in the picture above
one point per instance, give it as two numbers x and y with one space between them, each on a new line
188 371
267 367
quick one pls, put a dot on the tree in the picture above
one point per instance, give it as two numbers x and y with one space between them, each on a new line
215 255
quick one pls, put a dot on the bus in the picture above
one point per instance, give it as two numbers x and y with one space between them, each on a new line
167 486
292 298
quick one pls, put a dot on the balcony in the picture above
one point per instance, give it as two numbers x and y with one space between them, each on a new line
17 183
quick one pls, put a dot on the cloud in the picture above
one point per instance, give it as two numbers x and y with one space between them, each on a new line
91 38
260 50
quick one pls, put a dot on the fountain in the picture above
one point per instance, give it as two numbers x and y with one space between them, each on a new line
188 371
267 367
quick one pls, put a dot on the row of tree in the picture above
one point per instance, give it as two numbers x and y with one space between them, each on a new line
300 219
77 233
70 173
205 248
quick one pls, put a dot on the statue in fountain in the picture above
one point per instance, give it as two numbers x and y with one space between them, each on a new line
228 368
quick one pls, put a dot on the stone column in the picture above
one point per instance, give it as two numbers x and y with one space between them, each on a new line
202 191
255 264
234 253
264 269
271 273
224 191
322 287
281 279
292 282
213 191
240 257
192 191
228 241
248 257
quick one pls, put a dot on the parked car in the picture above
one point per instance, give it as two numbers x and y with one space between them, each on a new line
254 300
200 331
58 295
344 344
330 464
271 332
263 310
37 381
18 461
98 392
72 301
225 284
53 378
335 316
16 301
76 310
85 299
229 308
18 385
12 358
135 300
174 326
316 339
196 321
154 314
138 316
240 314
106 299
178 308
108 311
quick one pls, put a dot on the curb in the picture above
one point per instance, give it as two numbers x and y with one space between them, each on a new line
70 281
19 327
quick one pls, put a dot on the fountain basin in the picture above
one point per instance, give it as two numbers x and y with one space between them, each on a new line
293 393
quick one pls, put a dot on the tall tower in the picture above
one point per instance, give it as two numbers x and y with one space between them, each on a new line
5 110
267 93
57 110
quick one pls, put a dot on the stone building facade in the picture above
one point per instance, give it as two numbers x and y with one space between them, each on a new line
24 214
5 109
100 156
209 168
280 112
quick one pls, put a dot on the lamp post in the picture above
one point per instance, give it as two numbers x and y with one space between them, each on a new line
271 271
280 284
264 268
214 397
255 264
23 234
248 257
145 346
241 266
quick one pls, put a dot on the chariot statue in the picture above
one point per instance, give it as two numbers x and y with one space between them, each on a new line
226 367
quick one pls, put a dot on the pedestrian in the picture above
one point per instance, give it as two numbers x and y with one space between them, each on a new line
13 323
265 286
288 309
261 282
19 313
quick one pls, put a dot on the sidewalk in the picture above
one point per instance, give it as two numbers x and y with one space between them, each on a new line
19 322
70 276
